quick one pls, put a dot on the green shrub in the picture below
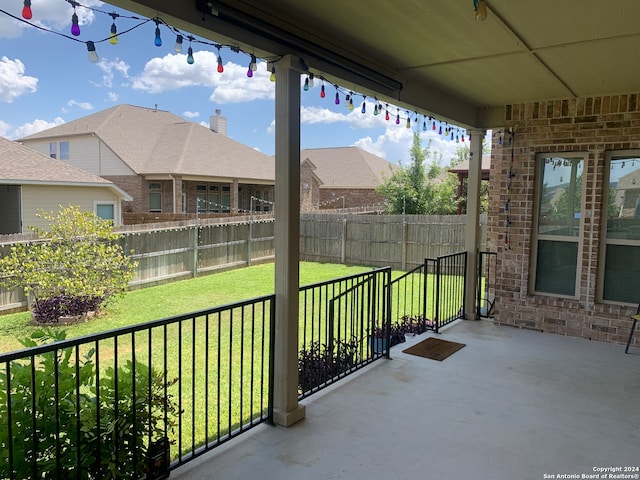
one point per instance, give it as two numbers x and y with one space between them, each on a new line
55 431
76 257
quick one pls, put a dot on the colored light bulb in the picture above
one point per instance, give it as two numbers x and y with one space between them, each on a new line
306 84
386 115
322 94
481 10
375 109
433 126
272 77
178 45
462 138
408 125
364 107
75 28
113 36
253 66
311 83
26 10
424 126
93 55
351 103
190 59
157 41
337 101
220 66
398 119
440 131
469 137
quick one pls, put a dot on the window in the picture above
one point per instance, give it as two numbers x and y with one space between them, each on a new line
53 149
155 197
106 211
621 215
557 224
64 150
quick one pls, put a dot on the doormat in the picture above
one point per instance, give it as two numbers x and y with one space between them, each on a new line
434 348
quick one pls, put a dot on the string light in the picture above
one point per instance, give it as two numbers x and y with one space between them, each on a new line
91 49
114 35
480 7
220 66
75 28
26 10
157 40
178 45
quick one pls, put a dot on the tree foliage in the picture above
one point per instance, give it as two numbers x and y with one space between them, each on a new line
420 188
76 258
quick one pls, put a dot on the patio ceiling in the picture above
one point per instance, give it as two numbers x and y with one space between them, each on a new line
433 56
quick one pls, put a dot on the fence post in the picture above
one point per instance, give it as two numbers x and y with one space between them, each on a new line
404 243
196 232
343 248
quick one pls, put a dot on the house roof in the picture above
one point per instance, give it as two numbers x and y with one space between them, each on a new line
152 141
348 167
23 166
463 167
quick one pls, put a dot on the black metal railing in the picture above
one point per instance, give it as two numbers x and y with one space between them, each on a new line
451 274
486 284
340 322
141 401
138 401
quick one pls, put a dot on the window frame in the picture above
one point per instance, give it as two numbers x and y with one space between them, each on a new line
114 205
155 191
536 237
605 240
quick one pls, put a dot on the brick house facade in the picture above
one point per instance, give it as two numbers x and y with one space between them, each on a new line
595 127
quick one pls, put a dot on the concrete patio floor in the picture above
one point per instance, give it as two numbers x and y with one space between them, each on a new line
512 404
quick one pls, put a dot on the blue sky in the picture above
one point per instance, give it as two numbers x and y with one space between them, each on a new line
46 79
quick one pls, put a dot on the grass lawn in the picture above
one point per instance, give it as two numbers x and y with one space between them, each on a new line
176 298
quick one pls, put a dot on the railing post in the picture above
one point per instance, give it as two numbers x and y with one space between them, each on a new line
425 291
387 321
437 307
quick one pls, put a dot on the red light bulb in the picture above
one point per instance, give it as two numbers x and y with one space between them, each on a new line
26 10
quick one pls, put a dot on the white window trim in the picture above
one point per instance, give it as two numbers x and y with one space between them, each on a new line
535 236
116 210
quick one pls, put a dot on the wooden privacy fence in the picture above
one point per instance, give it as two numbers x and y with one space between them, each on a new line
166 252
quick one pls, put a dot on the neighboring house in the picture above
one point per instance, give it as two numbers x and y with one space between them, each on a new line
166 164
347 177
31 182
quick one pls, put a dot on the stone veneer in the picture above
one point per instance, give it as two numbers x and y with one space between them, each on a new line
592 125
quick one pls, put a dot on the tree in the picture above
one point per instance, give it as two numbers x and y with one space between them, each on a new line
75 266
405 191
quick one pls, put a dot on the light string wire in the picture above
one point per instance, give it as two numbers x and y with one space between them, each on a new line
429 122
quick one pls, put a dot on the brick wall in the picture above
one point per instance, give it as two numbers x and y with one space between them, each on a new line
133 185
592 125
353 197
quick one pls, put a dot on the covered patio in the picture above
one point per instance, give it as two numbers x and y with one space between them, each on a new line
511 404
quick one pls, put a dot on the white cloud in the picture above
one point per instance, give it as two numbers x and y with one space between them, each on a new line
50 14
172 72
4 129
81 105
395 145
191 114
112 97
13 81
110 68
34 127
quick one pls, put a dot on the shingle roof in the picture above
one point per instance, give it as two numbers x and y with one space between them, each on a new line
20 164
348 167
154 141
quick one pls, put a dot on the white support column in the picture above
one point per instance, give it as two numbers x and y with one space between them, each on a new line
287 238
472 230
